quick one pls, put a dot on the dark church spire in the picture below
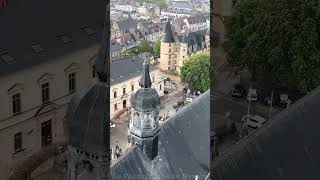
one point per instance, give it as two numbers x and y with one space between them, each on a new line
168 37
145 81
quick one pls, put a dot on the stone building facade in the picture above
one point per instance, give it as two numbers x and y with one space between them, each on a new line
175 48
41 66
125 77
37 123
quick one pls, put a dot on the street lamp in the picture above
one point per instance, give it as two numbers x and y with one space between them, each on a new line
245 127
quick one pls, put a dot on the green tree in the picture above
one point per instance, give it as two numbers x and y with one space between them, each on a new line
161 3
196 71
144 47
131 52
278 41
156 48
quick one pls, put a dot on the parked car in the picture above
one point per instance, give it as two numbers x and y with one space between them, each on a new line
253 121
112 125
166 92
197 93
252 95
185 90
284 100
189 100
237 91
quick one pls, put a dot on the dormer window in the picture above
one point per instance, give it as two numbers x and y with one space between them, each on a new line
37 48
65 38
89 30
6 58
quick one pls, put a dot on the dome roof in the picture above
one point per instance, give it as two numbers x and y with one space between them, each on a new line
87 123
145 99
101 65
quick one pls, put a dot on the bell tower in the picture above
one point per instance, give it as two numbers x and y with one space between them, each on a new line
144 123
168 49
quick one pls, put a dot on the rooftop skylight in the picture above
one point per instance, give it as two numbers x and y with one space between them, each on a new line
89 30
37 48
65 38
7 58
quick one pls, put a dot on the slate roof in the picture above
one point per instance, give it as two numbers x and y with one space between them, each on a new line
128 37
87 124
125 69
286 148
150 29
168 37
183 148
196 19
178 11
115 46
194 38
180 5
126 24
24 23
145 98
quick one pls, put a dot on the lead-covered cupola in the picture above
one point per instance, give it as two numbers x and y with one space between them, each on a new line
144 122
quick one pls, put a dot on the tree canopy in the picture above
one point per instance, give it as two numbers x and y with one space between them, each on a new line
141 48
161 3
278 41
144 47
156 48
196 71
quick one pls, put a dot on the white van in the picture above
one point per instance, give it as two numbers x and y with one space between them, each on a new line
252 95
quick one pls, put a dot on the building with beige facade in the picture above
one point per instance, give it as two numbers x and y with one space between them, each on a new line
124 81
175 48
42 64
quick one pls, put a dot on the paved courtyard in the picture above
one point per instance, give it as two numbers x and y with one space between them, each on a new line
119 133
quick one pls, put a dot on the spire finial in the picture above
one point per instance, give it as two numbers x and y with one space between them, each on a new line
145 81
